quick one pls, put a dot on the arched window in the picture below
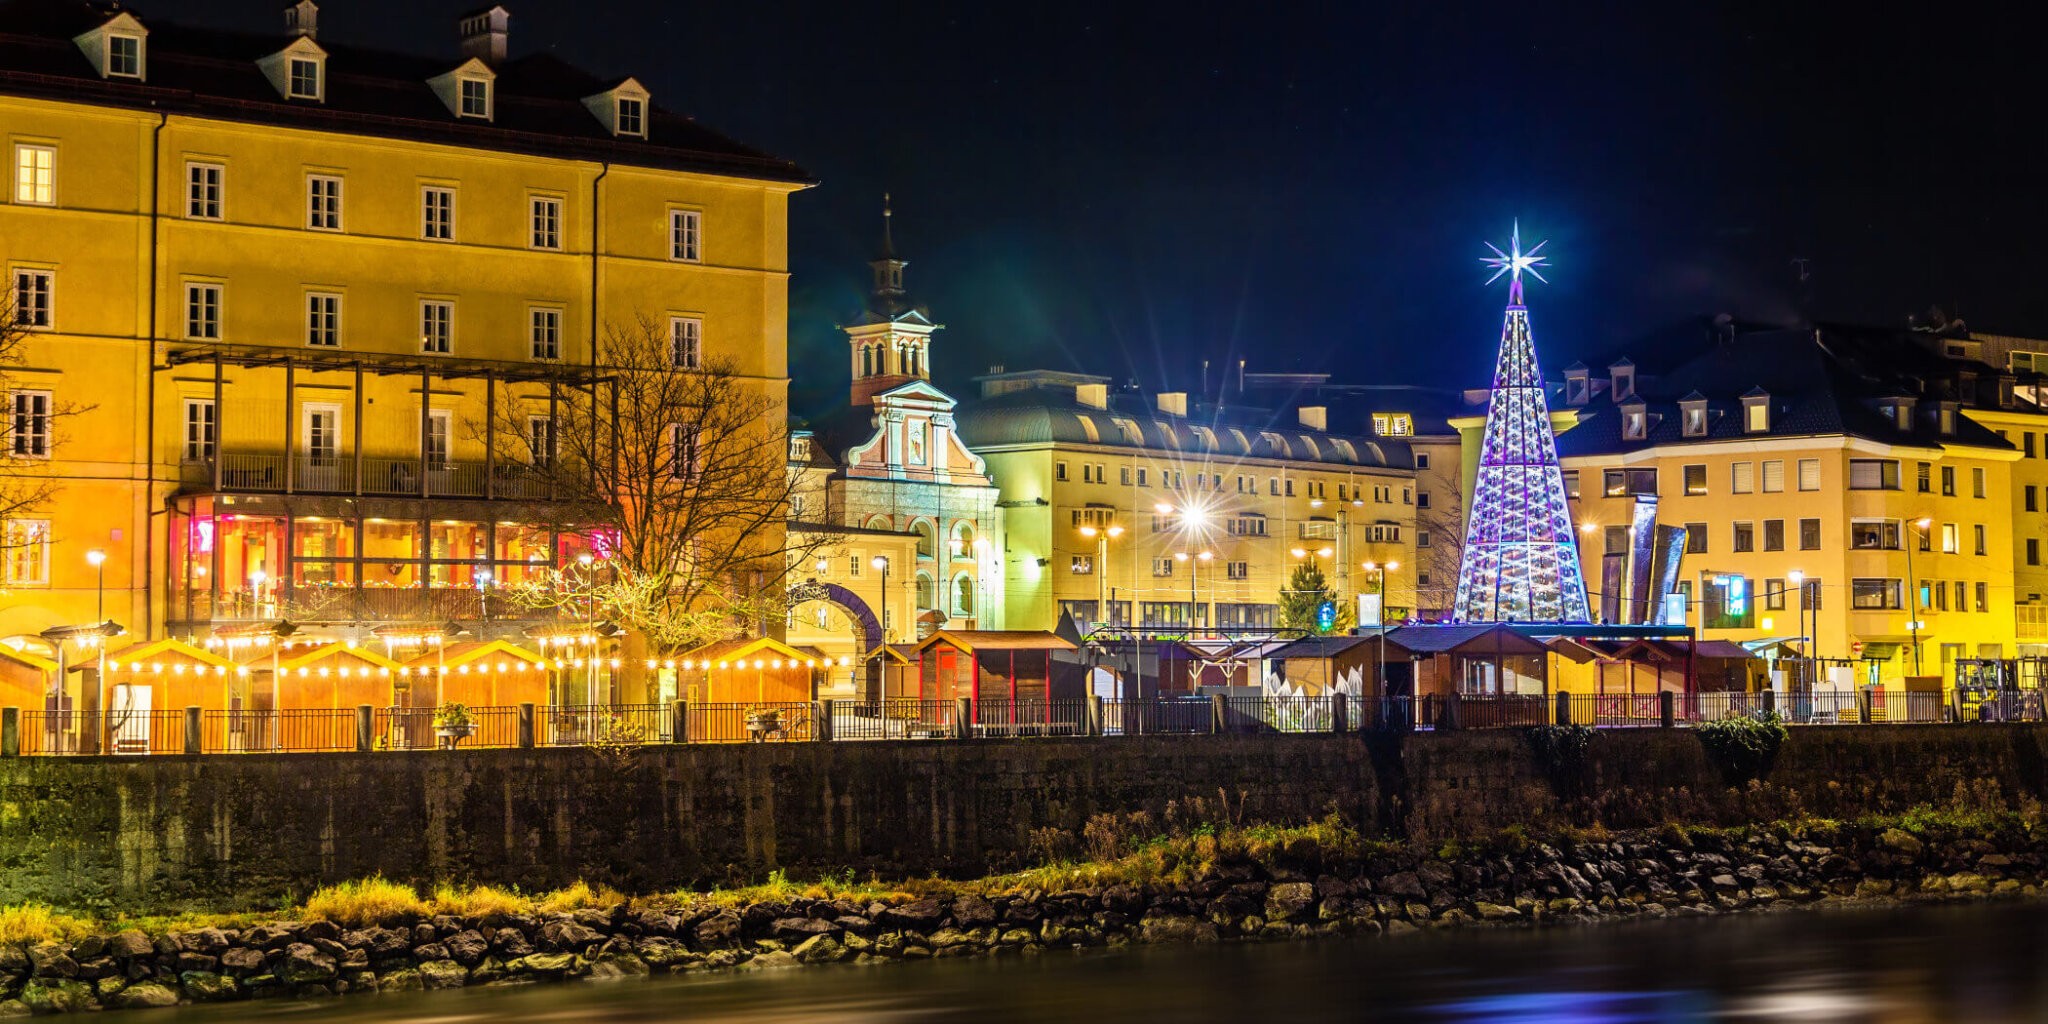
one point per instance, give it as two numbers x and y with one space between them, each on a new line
963 539
927 597
925 541
963 594
879 523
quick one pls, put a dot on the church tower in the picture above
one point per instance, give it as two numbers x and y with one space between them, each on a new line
891 339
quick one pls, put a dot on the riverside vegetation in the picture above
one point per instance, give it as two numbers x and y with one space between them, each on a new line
1192 874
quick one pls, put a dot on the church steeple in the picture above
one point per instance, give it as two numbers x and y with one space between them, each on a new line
891 339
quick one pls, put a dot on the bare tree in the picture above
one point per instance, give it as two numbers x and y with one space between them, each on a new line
1444 521
676 470
30 431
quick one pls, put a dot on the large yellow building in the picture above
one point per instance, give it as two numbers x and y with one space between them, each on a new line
276 285
1134 510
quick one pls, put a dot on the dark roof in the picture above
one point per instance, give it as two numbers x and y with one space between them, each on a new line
1822 384
1319 647
1044 415
537 101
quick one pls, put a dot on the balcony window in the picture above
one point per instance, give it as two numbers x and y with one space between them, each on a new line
1874 534
1874 474
1876 594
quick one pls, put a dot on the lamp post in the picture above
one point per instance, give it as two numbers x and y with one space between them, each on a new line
1194 578
981 583
1379 573
1101 536
98 560
1913 589
881 564
1798 581
483 599
590 617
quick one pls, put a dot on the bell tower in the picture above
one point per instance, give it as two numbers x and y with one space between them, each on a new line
891 339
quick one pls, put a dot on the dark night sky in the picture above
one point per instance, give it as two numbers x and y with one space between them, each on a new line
1129 188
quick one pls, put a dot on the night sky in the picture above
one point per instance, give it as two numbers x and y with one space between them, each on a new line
1130 188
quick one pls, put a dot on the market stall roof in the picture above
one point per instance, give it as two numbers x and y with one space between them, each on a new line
473 651
1321 646
337 650
892 652
27 657
1472 639
996 640
751 648
165 651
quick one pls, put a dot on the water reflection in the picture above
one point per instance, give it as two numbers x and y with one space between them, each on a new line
1966 963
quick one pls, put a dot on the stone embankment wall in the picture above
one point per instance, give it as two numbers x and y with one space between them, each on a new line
1658 873
207 832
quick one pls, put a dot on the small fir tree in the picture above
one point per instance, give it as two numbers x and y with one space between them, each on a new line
1304 596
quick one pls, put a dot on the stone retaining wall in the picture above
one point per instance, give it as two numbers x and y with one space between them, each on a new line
165 833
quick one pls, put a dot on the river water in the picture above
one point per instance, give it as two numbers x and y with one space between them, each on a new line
1978 963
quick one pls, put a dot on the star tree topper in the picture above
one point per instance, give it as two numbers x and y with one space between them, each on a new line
1514 261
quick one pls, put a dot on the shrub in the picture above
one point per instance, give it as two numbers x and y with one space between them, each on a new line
1743 746
372 900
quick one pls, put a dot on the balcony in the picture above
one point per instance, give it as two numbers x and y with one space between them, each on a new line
250 473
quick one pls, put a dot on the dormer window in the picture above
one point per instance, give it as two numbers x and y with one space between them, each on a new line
304 83
622 108
124 55
1756 412
1622 380
1635 422
476 98
1694 410
1578 386
468 90
632 114
1946 419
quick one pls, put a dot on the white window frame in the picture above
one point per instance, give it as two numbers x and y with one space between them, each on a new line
199 295
323 202
332 329
639 107
462 85
685 451
28 430
437 213
437 326
291 78
39 283
542 444
141 56
30 179
308 414
686 342
686 236
550 319
28 546
438 447
544 222
1802 468
201 178
201 421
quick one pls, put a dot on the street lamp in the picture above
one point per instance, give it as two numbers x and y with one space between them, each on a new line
1798 581
590 614
881 564
483 597
1101 535
1913 589
1380 575
1194 569
98 560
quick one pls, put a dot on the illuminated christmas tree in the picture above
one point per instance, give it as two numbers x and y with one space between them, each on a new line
1521 558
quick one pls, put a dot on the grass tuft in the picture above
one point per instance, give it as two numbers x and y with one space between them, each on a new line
372 900
478 901
579 897
35 922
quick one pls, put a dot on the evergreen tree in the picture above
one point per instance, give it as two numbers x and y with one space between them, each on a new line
1304 596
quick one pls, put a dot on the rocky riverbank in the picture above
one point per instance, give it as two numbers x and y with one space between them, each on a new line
1296 891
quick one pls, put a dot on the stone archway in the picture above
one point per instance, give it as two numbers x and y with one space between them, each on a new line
856 609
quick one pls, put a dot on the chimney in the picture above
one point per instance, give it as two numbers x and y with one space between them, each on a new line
1314 417
1094 396
302 19
1173 403
484 33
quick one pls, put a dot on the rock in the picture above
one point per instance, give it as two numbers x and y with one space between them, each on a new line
55 995
195 962
272 936
467 948
436 974
1495 912
14 1008
320 930
207 987
108 986
819 949
405 979
49 960
202 940
1402 884
1176 928
660 951
971 911
769 961
854 925
1288 900
431 951
921 915
130 943
946 938
567 935
544 964
302 964
145 996
616 967
798 929
719 930
241 961
1901 842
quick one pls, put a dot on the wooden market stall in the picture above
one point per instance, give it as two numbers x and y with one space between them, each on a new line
728 681
145 689
25 678
1010 675
892 672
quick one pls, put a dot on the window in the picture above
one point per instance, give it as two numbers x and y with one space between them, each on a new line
1983 597
1635 424
1615 539
1622 482
1926 475
30 430
1809 474
1421 460
202 311
1774 476
1571 483
1695 419
1877 594
304 82
33 294
1951 539
632 116
1810 591
1124 475
2033 551
540 440
1873 474
475 98
323 202
1141 476
28 551
1934 595
684 440
1081 565
1978 532
1247 526
547 223
1059 471
1756 415
2027 444
203 191
1695 479
440 429
1809 535
1741 478
1962 596
437 326
1745 537
853 565
685 342
2033 498
1421 497
437 213
1422 538
1977 481
124 56
1874 534
323 320
1774 535
684 230
1695 539
1238 570
1774 595
545 332
35 175
1162 567
200 429
1948 481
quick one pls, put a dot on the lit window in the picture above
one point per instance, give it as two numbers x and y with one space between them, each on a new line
546 325
28 551
35 175
685 342
323 202
203 191
547 223
202 311
437 326
684 234
437 213
1393 424
323 320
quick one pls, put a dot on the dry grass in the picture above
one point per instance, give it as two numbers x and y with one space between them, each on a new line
369 901
478 901
34 922
579 897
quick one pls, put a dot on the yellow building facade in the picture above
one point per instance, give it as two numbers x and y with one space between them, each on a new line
268 294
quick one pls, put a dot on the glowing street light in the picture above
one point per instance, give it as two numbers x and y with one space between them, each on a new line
881 565
97 558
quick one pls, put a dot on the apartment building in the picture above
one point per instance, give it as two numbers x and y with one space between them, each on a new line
1121 508
278 283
